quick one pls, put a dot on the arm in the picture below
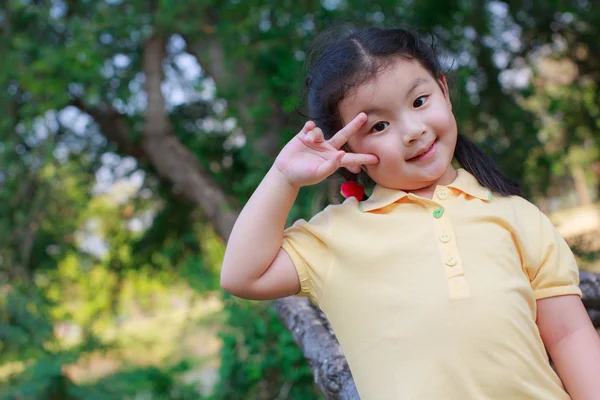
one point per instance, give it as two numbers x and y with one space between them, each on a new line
573 344
255 267
255 244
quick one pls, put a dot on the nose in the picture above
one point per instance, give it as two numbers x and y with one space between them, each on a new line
413 130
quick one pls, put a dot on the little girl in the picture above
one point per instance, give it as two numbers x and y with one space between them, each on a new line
445 283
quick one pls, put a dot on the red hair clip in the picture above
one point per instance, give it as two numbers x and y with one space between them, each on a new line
352 189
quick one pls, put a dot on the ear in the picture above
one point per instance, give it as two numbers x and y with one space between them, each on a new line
444 84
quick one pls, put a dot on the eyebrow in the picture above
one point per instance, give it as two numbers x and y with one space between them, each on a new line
417 82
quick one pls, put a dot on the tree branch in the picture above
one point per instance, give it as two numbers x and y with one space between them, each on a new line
171 159
590 287
316 339
174 161
156 122
112 125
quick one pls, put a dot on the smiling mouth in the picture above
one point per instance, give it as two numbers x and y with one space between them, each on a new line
423 152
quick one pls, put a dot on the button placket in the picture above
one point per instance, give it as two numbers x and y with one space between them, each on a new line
449 256
442 194
458 283
453 273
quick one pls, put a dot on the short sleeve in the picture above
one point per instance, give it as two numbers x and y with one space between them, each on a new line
553 269
307 245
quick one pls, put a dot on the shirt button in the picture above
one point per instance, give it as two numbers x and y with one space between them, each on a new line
438 213
451 261
443 195
445 238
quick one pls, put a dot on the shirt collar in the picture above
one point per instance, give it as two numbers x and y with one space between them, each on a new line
465 182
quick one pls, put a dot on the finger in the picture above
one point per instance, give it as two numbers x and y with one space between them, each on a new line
309 137
314 136
348 131
331 165
318 135
358 159
355 169
308 126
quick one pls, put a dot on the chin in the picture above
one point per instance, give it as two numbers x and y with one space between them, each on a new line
434 172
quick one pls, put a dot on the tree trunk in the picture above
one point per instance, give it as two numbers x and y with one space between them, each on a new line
174 163
316 339
590 287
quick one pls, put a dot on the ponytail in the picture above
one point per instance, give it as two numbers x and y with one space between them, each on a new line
483 167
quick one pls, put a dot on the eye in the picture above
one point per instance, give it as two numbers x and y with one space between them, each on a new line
420 101
380 126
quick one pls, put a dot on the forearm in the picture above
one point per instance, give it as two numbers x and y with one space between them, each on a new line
258 232
577 360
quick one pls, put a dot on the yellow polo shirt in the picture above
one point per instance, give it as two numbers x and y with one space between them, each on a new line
436 299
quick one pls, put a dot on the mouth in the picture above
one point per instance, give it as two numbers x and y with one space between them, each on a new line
424 153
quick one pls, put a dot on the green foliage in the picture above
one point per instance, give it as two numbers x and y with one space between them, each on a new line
27 338
43 379
159 383
25 324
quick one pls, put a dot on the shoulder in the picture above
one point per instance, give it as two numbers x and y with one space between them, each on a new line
533 226
520 207
523 206
349 207
529 213
519 215
331 214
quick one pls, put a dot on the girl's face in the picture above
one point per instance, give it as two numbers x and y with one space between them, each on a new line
410 127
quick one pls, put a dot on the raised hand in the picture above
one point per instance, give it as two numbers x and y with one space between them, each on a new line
308 158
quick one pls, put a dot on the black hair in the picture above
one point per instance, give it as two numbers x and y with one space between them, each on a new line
344 58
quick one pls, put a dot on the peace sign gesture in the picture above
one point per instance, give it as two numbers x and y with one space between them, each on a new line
308 158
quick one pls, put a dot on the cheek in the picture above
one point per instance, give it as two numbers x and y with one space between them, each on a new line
361 145
444 127
354 144
440 121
